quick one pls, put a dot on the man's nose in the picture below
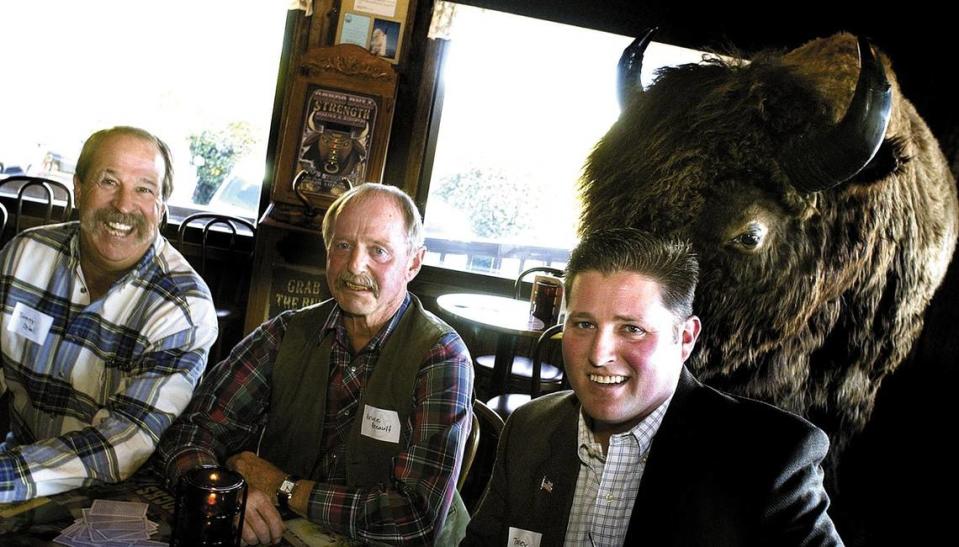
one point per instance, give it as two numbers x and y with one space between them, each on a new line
602 350
358 260
124 199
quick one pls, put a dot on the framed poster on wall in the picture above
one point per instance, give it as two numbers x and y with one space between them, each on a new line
335 132
335 140
379 26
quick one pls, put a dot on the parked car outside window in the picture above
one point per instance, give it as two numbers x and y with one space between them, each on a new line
239 194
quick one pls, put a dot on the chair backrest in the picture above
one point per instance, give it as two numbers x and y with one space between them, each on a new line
481 469
488 418
222 237
518 284
3 223
545 340
469 452
232 225
48 191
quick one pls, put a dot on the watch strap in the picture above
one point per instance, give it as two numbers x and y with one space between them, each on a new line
285 492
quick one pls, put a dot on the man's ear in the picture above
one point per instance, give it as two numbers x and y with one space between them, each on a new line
688 336
416 262
77 189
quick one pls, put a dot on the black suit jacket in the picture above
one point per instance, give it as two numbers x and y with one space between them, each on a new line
722 470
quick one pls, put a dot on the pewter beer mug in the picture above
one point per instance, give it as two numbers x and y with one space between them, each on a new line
209 508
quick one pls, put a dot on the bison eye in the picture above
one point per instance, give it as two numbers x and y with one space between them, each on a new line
750 239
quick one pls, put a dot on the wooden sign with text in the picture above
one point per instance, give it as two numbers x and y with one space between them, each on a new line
293 289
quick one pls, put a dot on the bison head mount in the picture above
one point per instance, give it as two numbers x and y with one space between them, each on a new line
819 203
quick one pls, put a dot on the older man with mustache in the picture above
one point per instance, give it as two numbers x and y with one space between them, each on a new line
105 327
352 413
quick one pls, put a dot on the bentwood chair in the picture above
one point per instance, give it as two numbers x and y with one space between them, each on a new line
521 371
3 221
228 240
546 345
47 193
469 451
489 427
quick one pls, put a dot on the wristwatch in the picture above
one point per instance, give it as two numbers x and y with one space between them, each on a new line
285 492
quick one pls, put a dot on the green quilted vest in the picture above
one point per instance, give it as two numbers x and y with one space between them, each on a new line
294 431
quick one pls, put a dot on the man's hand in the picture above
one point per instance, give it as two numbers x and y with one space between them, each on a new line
262 523
259 473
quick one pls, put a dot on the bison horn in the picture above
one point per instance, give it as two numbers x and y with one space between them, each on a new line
631 66
826 160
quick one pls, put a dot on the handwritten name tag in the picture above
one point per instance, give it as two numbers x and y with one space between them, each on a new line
382 425
523 538
30 323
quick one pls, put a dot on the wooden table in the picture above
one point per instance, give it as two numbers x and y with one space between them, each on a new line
507 317
39 521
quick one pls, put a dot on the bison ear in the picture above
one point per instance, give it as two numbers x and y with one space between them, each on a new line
889 158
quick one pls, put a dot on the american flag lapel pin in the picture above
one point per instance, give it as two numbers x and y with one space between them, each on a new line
546 484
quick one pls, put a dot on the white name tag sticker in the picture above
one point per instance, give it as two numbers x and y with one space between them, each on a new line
30 323
523 538
382 425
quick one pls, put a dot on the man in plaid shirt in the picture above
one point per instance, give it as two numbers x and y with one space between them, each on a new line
105 327
352 413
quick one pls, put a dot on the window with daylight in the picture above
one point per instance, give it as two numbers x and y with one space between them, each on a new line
521 104
199 75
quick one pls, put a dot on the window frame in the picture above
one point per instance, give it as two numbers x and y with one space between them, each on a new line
435 88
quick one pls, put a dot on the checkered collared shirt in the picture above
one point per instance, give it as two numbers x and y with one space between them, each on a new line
93 385
607 485
230 410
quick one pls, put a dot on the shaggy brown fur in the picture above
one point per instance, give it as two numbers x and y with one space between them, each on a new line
831 301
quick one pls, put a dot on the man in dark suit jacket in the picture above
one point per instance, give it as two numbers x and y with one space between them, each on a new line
641 452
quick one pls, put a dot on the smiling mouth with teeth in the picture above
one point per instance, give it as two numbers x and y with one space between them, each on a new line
355 287
119 229
607 379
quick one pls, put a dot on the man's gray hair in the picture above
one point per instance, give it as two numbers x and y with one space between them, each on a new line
411 215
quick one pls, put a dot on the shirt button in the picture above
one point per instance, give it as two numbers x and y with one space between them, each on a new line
352 369
83 290
609 497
